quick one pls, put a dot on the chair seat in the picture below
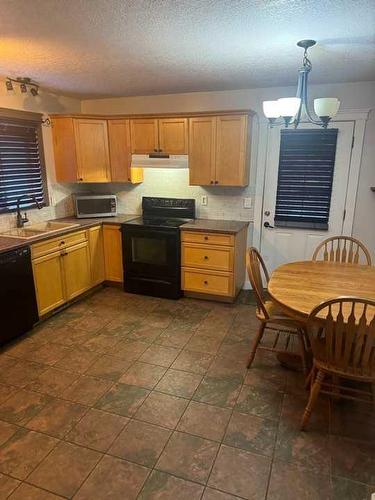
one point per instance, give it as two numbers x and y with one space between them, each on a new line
277 316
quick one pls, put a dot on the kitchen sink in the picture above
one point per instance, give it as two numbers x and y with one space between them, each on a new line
34 230
47 227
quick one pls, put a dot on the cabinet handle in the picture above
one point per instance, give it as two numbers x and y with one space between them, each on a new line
62 243
64 253
160 150
211 182
205 282
206 238
155 150
80 179
216 182
129 179
205 257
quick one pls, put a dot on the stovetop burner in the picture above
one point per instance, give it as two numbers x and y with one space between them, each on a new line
157 222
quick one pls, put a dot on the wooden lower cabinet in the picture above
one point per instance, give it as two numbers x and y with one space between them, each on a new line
63 267
76 266
95 235
49 282
207 282
112 243
213 264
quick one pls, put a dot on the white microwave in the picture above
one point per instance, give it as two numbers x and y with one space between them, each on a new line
91 205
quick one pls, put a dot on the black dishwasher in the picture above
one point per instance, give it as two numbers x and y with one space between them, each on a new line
18 308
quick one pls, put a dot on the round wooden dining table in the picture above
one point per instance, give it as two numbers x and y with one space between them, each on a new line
298 287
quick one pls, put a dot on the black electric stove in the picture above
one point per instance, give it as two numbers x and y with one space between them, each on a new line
151 247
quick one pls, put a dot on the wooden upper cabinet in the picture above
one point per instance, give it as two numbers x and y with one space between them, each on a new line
173 135
218 150
231 139
64 148
119 150
202 138
92 150
144 135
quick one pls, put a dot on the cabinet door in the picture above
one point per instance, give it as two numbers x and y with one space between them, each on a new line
173 135
96 255
144 135
76 267
64 150
49 284
92 150
202 150
119 150
231 136
113 253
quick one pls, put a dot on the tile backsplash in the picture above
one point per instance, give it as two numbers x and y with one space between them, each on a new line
61 205
222 202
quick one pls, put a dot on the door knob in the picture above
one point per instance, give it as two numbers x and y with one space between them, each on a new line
267 224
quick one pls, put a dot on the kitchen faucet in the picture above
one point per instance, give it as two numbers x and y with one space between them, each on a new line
21 220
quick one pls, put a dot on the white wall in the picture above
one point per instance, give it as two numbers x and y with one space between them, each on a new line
44 103
228 202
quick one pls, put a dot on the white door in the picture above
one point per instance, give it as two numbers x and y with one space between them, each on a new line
284 244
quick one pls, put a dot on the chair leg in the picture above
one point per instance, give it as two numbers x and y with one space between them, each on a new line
310 378
303 351
257 339
314 393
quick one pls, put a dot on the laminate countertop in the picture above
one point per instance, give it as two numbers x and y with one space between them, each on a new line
8 244
215 226
210 225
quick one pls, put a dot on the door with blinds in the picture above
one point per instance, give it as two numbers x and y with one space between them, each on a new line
305 188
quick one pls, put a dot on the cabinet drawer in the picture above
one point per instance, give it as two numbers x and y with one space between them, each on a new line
208 238
207 257
55 244
206 282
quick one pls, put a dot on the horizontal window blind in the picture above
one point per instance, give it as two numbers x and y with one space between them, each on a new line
304 187
21 166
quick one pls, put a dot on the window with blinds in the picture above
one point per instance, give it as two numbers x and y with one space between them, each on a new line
22 172
304 187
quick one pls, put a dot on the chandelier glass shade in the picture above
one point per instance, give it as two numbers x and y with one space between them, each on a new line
293 109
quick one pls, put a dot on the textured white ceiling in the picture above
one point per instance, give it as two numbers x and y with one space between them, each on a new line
141 47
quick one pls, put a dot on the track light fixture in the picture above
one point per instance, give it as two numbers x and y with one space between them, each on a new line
25 84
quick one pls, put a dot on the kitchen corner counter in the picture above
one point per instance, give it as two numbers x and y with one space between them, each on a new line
9 244
94 221
215 226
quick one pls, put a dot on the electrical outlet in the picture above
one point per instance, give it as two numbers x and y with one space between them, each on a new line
204 200
247 202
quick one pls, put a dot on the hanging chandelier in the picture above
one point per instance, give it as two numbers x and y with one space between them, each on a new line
292 109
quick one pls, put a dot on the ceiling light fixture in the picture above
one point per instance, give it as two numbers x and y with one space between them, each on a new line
25 84
290 108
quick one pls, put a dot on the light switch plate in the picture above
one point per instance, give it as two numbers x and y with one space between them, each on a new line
247 202
204 200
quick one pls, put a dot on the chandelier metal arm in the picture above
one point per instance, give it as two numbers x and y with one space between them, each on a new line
325 108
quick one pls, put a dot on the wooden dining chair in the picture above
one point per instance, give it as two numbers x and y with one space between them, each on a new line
271 317
342 249
342 338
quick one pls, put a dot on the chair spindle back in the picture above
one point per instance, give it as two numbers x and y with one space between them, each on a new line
342 249
257 272
342 334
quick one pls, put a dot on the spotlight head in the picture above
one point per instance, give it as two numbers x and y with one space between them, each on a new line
34 91
9 85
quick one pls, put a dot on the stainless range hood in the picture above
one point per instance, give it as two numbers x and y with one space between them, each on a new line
160 160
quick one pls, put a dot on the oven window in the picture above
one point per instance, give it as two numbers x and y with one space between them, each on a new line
149 250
